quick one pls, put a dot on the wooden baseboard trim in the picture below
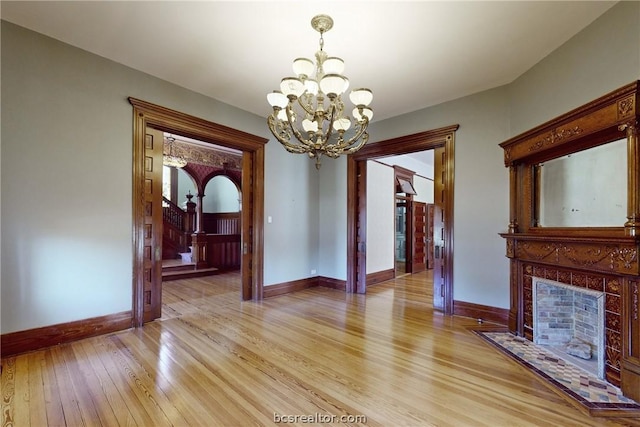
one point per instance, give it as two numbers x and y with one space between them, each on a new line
484 312
329 282
287 287
380 276
35 339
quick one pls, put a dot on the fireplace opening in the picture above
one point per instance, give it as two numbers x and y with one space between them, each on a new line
569 321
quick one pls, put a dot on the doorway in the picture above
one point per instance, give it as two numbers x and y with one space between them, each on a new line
147 201
401 238
442 141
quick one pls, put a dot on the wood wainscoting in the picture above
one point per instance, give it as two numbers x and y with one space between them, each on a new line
47 336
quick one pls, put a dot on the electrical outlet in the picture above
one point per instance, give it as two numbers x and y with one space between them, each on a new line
313 271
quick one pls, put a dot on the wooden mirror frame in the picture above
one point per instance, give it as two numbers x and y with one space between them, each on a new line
600 258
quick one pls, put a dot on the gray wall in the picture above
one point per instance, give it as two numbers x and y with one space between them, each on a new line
481 189
67 131
601 58
66 170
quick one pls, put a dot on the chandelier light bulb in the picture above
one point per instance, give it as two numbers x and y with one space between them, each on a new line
361 96
282 116
333 65
309 125
303 67
277 99
342 124
311 86
334 84
292 86
365 112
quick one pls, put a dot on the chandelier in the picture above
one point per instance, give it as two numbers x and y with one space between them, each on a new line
172 160
309 106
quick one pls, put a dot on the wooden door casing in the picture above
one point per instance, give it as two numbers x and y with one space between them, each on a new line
442 137
147 115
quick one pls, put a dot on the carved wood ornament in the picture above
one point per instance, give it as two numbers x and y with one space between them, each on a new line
600 258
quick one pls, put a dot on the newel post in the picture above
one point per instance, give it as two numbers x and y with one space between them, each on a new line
199 238
190 217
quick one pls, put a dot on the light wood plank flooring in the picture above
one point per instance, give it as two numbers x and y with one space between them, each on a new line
213 360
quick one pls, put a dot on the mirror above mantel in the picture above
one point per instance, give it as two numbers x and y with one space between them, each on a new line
584 189
580 171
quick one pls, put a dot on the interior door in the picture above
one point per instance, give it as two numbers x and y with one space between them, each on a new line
361 227
418 234
152 260
439 262
429 236
247 214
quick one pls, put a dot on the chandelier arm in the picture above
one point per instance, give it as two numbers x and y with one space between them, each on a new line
305 108
361 130
355 148
292 148
296 132
331 120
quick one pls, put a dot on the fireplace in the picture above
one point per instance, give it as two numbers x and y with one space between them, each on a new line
569 321
572 243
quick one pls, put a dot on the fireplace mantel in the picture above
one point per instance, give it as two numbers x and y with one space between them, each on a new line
602 258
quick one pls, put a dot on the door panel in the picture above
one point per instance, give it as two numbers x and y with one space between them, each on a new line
152 261
247 227
419 228
361 227
439 262
429 236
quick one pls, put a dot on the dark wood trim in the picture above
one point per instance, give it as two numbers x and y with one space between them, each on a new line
288 287
484 312
35 339
442 137
590 257
380 276
299 285
164 119
591 124
332 283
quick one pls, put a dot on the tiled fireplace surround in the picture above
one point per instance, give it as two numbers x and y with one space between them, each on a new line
607 284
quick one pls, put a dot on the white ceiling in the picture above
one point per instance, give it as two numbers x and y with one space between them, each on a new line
410 54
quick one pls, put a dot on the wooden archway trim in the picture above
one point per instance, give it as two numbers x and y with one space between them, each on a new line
164 119
356 199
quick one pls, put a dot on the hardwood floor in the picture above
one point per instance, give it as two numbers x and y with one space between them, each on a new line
214 360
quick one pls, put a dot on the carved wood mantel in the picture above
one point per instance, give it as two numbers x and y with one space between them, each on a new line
599 258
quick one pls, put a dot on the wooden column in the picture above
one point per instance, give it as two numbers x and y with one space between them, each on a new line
513 199
632 226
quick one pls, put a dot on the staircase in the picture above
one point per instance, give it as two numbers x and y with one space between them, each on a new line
176 240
